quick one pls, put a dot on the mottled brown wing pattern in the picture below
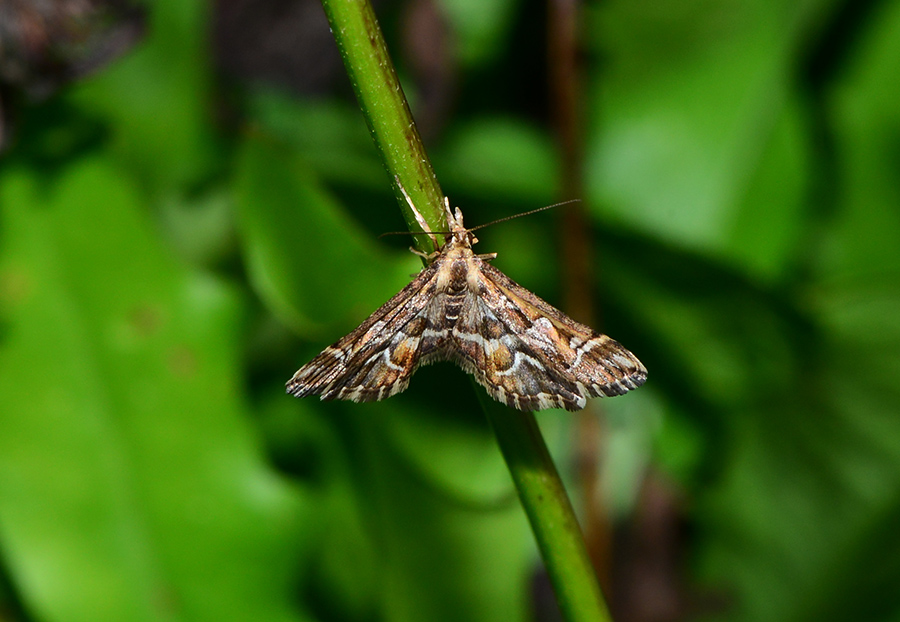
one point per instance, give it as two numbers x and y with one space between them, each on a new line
377 359
571 360
506 364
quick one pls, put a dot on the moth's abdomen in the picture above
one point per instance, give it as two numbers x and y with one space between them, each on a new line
457 290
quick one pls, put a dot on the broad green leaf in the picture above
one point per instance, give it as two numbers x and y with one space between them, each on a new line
862 105
446 556
329 136
798 522
479 28
346 567
451 455
500 157
695 135
419 519
131 486
307 259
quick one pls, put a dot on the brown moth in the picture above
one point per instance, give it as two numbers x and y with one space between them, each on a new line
526 353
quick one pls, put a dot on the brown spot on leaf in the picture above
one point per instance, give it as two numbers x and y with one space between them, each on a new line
15 286
145 319
183 362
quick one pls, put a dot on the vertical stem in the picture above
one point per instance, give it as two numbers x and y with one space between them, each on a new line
384 106
577 259
550 513
540 489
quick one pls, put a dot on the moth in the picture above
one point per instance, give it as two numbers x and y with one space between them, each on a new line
526 353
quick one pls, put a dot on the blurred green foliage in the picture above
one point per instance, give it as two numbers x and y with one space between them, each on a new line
165 267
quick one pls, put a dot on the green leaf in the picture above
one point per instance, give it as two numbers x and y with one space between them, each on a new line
409 502
330 136
795 519
448 553
500 157
695 133
131 487
866 230
480 27
307 258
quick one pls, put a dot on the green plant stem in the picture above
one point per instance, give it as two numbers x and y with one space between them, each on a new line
384 106
540 489
549 511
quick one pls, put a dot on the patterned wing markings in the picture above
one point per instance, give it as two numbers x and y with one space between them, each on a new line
342 368
380 372
507 365
596 364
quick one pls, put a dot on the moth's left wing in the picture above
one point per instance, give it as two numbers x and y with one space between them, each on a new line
376 360
573 356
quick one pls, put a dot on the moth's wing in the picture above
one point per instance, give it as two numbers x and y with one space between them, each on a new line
506 364
570 361
376 360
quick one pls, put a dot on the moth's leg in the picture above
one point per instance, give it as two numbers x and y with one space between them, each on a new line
429 257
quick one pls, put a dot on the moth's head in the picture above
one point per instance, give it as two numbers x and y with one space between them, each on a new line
459 235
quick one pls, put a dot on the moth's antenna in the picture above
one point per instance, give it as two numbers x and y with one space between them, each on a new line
528 213
487 224
387 233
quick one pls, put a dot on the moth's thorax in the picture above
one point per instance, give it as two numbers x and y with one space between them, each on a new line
459 240
458 269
